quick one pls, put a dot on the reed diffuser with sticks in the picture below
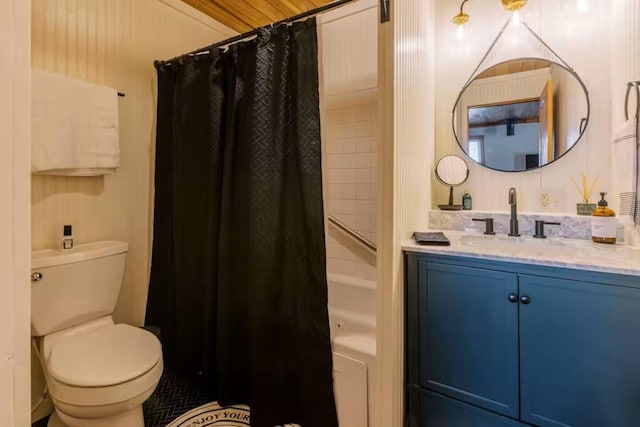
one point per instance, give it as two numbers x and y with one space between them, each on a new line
585 190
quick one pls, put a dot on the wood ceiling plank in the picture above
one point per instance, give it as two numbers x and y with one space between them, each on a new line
318 3
267 8
304 4
502 69
514 67
286 7
289 8
219 15
284 10
245 15
243 11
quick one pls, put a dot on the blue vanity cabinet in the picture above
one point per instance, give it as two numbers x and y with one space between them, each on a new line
468 338
435 410
503 343
579 353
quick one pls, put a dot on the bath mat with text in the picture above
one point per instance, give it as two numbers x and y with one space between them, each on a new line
213 415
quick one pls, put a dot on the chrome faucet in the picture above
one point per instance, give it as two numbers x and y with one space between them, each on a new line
513 222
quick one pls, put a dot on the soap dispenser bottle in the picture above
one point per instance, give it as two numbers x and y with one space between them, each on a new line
466 201
603 223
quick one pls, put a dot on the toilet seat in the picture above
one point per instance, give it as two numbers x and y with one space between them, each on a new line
106 366
104 357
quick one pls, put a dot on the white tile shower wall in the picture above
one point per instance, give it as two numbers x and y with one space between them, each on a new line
351 169
349 109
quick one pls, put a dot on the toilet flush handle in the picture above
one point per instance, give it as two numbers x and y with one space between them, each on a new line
36 277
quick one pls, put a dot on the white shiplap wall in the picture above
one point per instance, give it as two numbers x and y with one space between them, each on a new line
112 43
625 55
405 154
580 37
625 67
14 213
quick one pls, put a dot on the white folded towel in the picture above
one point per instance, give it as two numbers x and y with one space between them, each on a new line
74 126
626 162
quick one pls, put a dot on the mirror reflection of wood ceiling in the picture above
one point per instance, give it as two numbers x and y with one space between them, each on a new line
515 66
245 15
502 114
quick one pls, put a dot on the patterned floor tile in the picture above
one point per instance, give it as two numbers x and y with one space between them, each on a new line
174 396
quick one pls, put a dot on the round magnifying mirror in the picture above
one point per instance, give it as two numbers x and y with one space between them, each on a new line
521 114
451 171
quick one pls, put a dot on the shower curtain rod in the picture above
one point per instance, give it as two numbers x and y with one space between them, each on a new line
251 33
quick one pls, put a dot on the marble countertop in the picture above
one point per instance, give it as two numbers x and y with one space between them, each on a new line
553 252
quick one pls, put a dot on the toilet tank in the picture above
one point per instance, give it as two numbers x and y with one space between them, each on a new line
74 286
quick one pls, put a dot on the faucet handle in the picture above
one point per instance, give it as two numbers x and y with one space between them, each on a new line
488 229
539 231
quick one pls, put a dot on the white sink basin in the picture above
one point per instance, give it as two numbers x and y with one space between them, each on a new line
519 245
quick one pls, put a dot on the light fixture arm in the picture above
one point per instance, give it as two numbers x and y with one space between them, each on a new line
462 6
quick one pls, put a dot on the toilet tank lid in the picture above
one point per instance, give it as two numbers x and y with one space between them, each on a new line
84 252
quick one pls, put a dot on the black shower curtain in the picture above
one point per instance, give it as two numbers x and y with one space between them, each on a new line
238 278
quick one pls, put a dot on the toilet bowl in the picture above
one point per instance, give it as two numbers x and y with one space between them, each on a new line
98 373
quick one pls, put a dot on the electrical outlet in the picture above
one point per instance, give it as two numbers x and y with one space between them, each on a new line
552 199
544 199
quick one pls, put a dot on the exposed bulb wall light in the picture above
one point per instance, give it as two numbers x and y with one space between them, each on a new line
511 5
583 6
516 18
460 19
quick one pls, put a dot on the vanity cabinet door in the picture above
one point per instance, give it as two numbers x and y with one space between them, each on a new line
439 411
469 335
579 353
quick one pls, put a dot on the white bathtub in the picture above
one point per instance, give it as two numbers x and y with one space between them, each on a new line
352 308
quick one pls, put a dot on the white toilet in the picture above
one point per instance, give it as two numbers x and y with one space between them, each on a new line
98 373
